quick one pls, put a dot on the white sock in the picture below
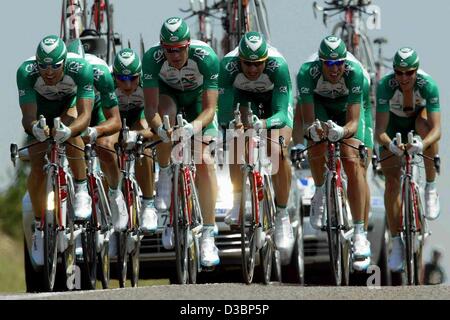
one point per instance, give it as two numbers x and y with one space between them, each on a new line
81 186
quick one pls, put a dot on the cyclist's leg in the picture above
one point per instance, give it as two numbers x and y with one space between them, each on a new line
368 142
144 168
37 179
432 205
167 106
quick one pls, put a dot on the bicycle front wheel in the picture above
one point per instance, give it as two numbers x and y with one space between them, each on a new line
136 236
248 225
50 231
180 226
408 214
196 221
333 232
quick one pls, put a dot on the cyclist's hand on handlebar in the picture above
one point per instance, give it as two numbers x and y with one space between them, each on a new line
315 133
397 150
188 129
257 123
90 135
41 134
415 147
130 139
164 134
335 131
62 133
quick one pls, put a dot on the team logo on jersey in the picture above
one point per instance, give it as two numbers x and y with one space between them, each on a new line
283 89
148 76
393 83
356 90
434 100
97 74
215 76
272 65
31 68
382 101
158 55
112 96
304 90
421 82
221 90
200 53
314 71
232 67
21 93
88 87
75 66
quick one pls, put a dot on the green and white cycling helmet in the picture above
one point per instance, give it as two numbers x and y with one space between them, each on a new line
332 48
253 47
406 58
127 63
51 50
175 33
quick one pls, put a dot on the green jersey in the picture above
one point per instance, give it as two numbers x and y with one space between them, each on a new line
200 72
390 96
274 83
77 81
312 84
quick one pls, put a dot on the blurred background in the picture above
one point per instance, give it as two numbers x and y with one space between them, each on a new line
294 31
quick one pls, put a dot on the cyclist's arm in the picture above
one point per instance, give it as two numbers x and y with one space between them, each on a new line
382 120
384 94
112 124
305 100
27 96
147 132
209 104
297 133
431 93
352 120
281 97
85 98
151 100
226 103
28 116
109 104
150 71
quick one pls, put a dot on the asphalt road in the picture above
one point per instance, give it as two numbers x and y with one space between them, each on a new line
232 291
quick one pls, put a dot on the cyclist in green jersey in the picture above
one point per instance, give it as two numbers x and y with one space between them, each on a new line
331 88
55 83
104 130
127 71
256 73
407 100
180 76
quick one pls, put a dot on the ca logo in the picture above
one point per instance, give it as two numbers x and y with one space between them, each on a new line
173 20
253 39
49 41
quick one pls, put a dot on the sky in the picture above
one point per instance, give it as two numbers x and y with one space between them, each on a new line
294 32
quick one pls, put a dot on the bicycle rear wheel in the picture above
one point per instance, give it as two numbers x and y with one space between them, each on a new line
103 216
122 257
68 256
248 225
89 270
134 255
345 244
50 232
333 232
180 226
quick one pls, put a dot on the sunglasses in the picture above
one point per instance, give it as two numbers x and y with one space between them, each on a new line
406 73
122 77
330 63
175 49
55 66
253 63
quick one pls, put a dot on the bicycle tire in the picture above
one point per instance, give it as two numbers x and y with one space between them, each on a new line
247 219
50 234
134 255
68 257
408 232
333 233
194 246
122 257
89 265
298 257
418 245
104 272
180 226
345 245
